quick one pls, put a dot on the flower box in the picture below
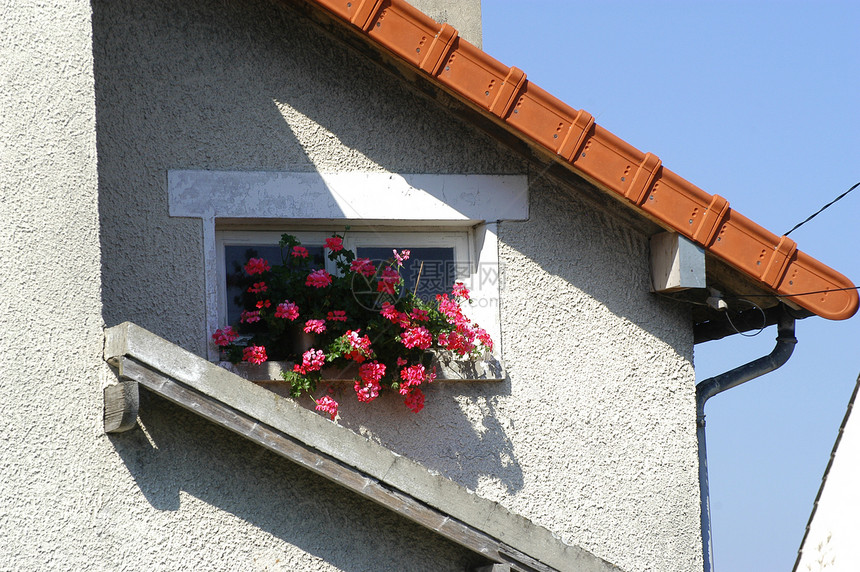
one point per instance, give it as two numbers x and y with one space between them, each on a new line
359 323
448 368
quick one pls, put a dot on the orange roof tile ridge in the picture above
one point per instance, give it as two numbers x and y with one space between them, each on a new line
600 156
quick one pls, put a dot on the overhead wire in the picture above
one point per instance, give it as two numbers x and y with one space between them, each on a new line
819 211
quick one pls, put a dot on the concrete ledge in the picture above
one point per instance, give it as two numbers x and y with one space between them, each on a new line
349 459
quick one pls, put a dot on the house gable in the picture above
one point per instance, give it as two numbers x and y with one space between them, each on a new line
595 418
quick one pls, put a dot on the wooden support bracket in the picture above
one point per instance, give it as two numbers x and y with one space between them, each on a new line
121 403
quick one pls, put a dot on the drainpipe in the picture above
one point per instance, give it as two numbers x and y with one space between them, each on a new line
785 342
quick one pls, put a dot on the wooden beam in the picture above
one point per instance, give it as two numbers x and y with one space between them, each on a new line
121 402
351 460
328 467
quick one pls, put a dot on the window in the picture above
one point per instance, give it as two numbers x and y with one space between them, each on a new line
437 259
442 218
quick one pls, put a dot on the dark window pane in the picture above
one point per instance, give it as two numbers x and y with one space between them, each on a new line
235 257
436 265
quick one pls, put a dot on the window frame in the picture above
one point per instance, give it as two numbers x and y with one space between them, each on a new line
231 200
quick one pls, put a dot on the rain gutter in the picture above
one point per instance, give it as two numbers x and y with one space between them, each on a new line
572 137
785 342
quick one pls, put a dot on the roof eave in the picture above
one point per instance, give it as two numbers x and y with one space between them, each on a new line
573 139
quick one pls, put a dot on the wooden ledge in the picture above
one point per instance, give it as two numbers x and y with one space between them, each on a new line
354 462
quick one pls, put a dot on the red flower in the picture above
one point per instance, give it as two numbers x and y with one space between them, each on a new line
389 312
360 346
328 405
264 304
485 338
420 315
299 252
411 376
314 326
367 389
371 372
389 279
258 288
318 279
459 290
449 308
257 266
335 243
287 310
336 316
418 337
415 400
312 360
250 317
363 266
224 337
254 354
401 257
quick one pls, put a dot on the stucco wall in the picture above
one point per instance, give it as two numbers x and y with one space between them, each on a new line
830 542
593 433
601 401
50 303
465 15
179 493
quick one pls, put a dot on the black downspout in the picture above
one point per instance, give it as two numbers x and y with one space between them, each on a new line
785 342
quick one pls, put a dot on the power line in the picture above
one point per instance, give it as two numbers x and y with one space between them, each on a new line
798 225
798 294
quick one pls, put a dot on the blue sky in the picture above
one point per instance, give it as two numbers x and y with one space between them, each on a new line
758 102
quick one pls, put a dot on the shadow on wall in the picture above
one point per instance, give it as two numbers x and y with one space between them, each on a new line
593 250
469 447
178 452
229 85
218 84
178 85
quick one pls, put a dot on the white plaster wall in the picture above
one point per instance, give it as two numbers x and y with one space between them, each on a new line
179 493
602 398
831 542
50 302
465 15
593 434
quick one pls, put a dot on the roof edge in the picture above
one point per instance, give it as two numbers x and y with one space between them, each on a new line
639 179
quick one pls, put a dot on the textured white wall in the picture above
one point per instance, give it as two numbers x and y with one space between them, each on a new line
465 15
50 302
831 542
181 495
602 398
592 436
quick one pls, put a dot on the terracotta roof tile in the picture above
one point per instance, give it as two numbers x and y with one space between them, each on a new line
604 159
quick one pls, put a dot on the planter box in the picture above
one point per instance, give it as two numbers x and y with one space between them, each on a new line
448 368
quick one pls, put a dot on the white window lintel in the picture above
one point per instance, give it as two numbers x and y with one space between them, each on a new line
368 198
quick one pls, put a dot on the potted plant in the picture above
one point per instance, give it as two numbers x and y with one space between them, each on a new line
359 321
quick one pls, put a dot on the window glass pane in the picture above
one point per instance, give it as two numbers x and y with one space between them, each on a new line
436 266
235 257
